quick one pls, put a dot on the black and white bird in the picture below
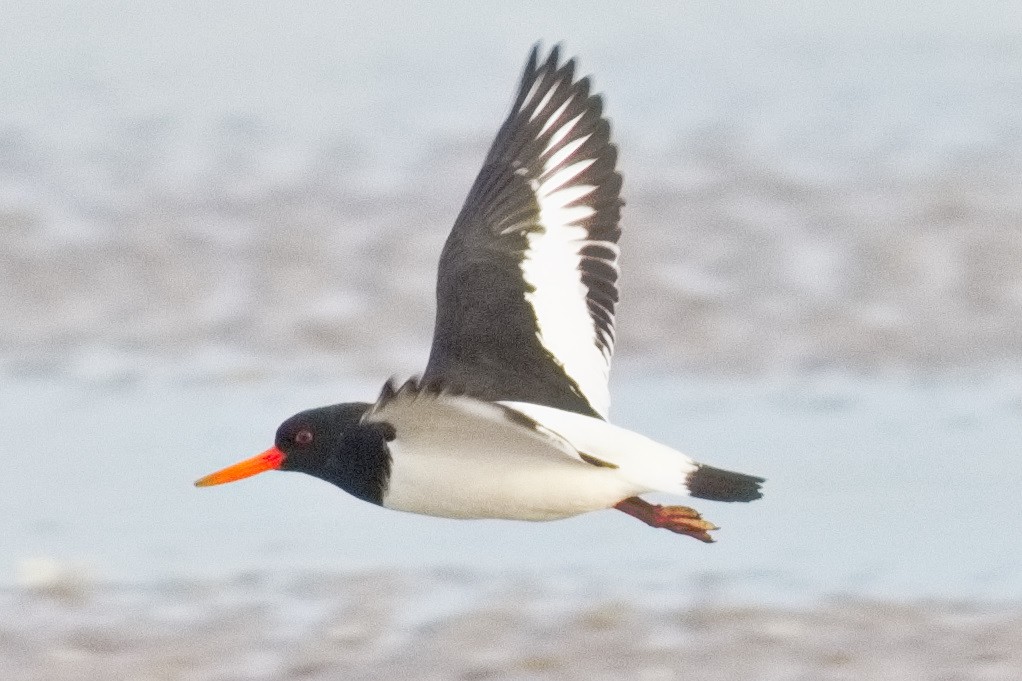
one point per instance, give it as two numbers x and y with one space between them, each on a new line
509 418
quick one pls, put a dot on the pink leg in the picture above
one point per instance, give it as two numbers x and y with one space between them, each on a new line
679 519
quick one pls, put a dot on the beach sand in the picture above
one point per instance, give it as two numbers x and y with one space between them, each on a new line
365 626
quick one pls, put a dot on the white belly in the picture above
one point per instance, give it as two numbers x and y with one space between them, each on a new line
518 479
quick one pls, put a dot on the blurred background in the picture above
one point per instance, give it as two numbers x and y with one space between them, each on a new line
213 216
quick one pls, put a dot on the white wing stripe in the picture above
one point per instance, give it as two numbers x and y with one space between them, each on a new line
562 154
558 300
608 245
551 266
565 175
555 115
544 101
530 94
560 199
566 216
561 133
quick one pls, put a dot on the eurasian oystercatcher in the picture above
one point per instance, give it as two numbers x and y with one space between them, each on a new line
509 418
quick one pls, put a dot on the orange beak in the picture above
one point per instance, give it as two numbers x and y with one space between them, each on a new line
269 460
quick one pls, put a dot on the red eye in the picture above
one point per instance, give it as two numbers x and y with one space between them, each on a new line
303 437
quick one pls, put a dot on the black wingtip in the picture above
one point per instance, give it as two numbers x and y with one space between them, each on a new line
555 56
552 61
717 484
530 66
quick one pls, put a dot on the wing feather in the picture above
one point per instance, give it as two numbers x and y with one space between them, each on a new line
527 284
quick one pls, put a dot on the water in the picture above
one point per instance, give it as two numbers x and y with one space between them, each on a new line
901 489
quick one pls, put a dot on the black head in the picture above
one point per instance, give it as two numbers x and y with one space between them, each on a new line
330 443
310 439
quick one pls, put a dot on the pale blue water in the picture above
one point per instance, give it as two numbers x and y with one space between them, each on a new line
890 488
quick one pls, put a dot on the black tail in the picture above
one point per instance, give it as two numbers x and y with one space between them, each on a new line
717 484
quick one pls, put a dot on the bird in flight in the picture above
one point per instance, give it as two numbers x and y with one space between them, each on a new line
509 419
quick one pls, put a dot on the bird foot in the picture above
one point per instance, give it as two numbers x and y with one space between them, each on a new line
677 519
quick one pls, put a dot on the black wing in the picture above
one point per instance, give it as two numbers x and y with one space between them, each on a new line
527 285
